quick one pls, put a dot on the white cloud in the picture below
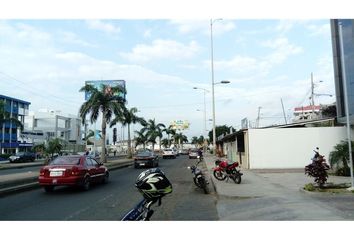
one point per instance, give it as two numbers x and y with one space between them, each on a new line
162 49
103 26
320 30
72 38
282 50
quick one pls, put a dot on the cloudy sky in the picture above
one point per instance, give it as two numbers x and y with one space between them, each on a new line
46 62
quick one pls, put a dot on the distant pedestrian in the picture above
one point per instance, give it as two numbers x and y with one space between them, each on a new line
114 152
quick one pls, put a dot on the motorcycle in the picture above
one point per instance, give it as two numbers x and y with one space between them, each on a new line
225 170
198 176
141 212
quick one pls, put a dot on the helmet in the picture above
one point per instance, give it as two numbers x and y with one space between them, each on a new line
153 184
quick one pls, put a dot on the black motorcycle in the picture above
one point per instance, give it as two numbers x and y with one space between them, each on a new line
199 177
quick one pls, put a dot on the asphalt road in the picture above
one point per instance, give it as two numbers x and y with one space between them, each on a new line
20 170
111 201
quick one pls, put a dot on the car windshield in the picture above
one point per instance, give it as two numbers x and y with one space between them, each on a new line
73 160
144 154
20 153
194 150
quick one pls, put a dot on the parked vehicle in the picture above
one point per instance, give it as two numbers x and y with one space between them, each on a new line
72 170
22 157
227 170
193 153
146 158
153 185
184 151
169 153
198 176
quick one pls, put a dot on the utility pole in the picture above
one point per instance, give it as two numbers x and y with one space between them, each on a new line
283 110
344 80
312 96
259 113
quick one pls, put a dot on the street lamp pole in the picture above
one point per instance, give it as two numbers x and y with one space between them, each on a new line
204 132
212 80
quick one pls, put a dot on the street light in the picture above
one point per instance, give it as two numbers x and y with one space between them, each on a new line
204 90
212 78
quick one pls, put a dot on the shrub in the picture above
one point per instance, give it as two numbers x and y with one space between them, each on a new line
309 187
318 170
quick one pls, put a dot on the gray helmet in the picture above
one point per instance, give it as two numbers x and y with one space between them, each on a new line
153 184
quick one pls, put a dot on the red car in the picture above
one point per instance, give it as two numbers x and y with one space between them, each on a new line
72 170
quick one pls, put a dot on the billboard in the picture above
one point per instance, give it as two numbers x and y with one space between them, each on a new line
180 124
112 83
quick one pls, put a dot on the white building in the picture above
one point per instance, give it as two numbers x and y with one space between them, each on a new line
46 124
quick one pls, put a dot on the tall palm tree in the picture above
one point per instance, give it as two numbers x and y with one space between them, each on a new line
141 138
165 143
101 101
170 131
194 140
153 131
180 139
6 117
126 118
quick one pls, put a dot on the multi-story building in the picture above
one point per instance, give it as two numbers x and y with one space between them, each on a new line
46 124
9 132
348 50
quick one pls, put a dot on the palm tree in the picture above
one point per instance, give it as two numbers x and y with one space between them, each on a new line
339 157
180 139
102 101
153 131
6 117
53 146
170 131
126 118
141 138
194 140
165 143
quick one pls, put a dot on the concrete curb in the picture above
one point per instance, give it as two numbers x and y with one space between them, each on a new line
29 183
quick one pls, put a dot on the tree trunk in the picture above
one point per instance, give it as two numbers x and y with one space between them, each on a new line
103 152
129 143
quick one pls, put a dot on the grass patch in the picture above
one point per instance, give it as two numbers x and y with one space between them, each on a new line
328 188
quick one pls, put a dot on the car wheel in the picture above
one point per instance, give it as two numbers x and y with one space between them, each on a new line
49 188
86 184
105 178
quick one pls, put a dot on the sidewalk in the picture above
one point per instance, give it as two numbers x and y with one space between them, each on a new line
16 182
276 195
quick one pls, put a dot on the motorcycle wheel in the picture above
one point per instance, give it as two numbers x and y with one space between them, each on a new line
237 178
219 175
203 185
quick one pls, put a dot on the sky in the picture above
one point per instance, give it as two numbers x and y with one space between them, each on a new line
47 61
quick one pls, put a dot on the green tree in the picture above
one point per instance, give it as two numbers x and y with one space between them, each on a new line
102 102
220 130
165 143
127 117
170 131
201 140
180 139
6 117
195 141
339 158
48 149
141 138
153 130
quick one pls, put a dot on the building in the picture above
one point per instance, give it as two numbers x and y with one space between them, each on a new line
348 49
47 124
280 147
9 132
305 113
